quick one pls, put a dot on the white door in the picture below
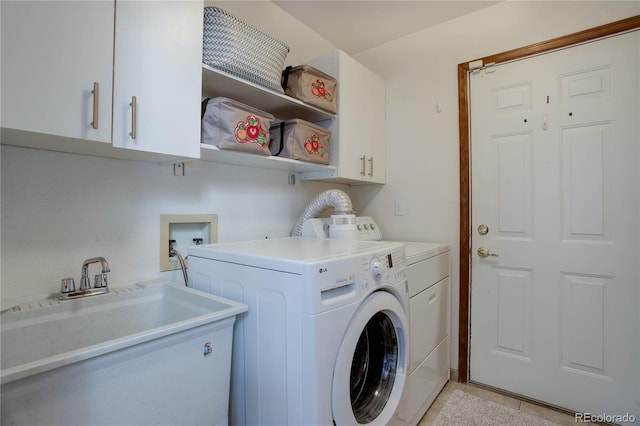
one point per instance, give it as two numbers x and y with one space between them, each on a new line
554 304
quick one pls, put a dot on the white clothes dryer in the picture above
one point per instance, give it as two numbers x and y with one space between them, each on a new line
428 270
325 338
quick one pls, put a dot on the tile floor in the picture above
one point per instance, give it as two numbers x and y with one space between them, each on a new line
551 414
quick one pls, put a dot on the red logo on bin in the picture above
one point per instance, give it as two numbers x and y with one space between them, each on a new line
319 91
250 131
312 145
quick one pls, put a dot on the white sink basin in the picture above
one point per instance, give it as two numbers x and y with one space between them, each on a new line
132 344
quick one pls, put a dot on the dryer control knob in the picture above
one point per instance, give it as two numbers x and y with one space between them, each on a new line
376 269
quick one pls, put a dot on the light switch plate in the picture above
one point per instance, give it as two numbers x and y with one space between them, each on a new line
183 228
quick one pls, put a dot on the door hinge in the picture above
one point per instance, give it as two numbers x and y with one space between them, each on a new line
477 66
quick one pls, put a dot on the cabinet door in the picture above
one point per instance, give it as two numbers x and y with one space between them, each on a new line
376 146
361 108
158 60
52 54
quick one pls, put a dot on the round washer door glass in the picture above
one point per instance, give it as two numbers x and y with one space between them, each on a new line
373 368
370 369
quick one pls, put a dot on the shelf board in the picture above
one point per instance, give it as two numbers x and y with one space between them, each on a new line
219 83
215 154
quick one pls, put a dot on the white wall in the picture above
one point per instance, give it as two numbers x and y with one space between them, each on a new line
422 145
59 209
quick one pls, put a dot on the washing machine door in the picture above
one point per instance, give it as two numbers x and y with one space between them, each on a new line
370 370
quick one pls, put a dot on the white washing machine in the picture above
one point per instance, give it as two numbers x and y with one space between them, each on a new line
325 338
428 275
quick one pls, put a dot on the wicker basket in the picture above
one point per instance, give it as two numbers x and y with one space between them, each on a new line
237 48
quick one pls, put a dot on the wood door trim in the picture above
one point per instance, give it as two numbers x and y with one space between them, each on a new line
614 28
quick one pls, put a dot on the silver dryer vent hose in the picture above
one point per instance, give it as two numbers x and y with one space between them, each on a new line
335 198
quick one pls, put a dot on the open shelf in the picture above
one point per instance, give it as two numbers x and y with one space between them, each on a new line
219 83
215 154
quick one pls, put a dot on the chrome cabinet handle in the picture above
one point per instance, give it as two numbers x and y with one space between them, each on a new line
134 116
484 252
96 104
363 172
371 169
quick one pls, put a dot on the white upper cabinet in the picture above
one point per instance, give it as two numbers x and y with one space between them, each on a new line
52 54
157 62
358 144
124 79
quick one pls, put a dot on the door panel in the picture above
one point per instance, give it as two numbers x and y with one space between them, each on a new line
554 154
587 182
584 322
514 185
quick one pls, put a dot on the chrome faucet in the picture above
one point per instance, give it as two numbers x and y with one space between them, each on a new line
101 280
67 287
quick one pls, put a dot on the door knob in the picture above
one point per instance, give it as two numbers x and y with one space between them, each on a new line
484 252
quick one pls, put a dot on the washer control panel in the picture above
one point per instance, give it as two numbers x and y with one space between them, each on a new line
376 269
389 268
344 281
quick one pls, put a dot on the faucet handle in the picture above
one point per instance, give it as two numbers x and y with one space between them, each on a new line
85 283
100 281
67 285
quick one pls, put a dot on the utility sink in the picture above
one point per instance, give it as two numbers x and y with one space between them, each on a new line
153 353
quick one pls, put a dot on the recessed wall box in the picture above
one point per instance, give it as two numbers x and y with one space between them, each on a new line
186 230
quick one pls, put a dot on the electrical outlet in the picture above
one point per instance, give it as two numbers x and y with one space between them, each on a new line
400 208
184 230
